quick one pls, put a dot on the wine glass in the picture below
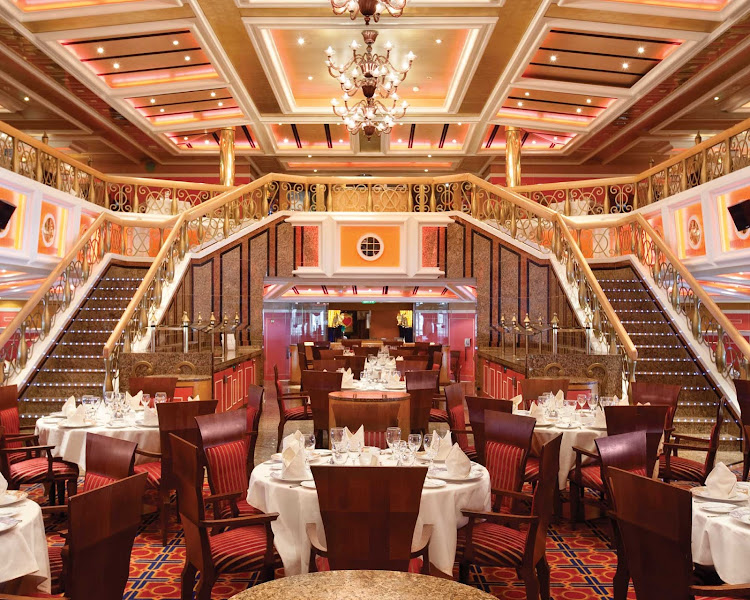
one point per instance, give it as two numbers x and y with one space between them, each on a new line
146 400
407 455
431 447
415 441
594 401
337 435
392 435
355 446
581 400
160 397
340 453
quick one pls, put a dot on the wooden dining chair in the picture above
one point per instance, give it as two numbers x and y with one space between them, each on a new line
375 417
244 544
254 412
620 420
286 412
304 353
661 394
679 468
365 350
534 387
330 364
317 385
421 387
10 420
454 396
375 532
655 523
327 353
356 364
477 405
742 387
176 418
411 364
514 540
455 365
152 385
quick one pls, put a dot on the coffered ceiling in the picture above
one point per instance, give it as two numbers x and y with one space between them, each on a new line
598 86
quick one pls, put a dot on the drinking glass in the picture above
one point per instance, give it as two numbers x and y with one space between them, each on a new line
146 400
309 442
431 447
337 436
415 441
340 453
581 399
355 446
392 435
160 397
594 401
407 456
89 404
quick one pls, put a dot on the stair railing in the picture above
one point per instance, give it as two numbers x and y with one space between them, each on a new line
722 154
33 323
27 156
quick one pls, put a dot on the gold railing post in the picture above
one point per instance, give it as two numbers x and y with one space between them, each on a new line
695 319
566 206
135 204
369 198
46 317
76 184
23 349
675 296
683 176
728 157
474 200
306 199
173 206
433 199
329 197
606 200
650 196
665 185
720 354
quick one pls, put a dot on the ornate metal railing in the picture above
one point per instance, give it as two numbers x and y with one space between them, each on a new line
34 322
36 160
720 155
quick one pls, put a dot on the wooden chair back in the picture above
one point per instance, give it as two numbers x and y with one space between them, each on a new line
421 387
369 515
411 364
317 385
534 387
544 494
455 366
152 385
436 360
655 523
330 364
304 354
626 451
108 459
279 389
356 364
507 442
365 350
178 418
403 352
661 394
742 387
255 394
225 445
376 417
714 438
477 405
103 523
9 417
454 399
325 354
650 419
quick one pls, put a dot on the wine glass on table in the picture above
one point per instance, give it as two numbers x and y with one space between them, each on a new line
415 441
160 397
581 400
392 435
431 447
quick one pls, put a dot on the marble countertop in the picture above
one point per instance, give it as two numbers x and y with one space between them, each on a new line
506 359
361 585
237 356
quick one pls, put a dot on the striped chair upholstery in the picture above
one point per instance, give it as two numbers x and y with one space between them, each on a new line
503 463
56 568
238 550
93 481
531 473
153 472
321 564
591 477
438 415
457 422
227 465
376 438
494 545
682 469
296 413
9 420
35 470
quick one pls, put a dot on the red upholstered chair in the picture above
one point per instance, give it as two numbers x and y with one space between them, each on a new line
477 405
454 396
246 544
254 412
174 418
437 414
659 394
655 524
534 387
421 386
153 385
318 384
226 444
455 366
742 386
9 419
375 418
511 540
289 413
376 531
677 468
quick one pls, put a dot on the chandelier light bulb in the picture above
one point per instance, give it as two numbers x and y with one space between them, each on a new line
370 9
330 51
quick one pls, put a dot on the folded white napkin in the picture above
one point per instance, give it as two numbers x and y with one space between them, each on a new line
600 419
195 398
347 380
457 463
399 358
353 438
293 463
369 457
517 401
621 402
3 485
78 416
559 398
296 440
69 407
150 416
134 402
391 363
721 481
394 378
537 412
445 445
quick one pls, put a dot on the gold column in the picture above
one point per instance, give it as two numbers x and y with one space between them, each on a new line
226 156
512 156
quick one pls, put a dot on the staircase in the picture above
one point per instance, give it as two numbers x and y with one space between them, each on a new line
74 365
663 356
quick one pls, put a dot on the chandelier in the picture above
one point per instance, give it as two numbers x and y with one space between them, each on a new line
370 72
371 116
370 9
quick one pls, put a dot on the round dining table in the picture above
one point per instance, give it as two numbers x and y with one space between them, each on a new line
297 506
361 585
580 436
70 444
24 568
722 541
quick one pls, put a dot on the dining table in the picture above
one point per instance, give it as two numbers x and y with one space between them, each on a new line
24 567
298 505
70 442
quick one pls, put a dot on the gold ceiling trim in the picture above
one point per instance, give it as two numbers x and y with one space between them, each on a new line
636 20
108 20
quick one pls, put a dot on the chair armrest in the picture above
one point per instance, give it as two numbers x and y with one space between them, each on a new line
500 518
512 494
671 446
224 496
312 535
424 541
25 449
55 509
147 453
295 397
692 438
585 452
241 521
725 591
27 428
20 437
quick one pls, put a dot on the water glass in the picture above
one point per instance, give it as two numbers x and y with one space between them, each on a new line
392 435
431 447
309 440
340 453
415 441
407 455
355 446
160 397
337 436
146 400
581 399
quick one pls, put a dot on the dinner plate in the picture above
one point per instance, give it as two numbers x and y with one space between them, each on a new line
323 452
422 457
58 413
142 424
430 483
741 514
569 426
12 496
53 417
396 386
718 508
9 511
277 476
6 523
66 425
702 493
275 457
120 425
473 476
309 484
546 424
596 428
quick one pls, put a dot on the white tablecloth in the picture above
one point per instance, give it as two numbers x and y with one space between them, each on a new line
23 550
723 542
375 387
297 506
70 444
582 438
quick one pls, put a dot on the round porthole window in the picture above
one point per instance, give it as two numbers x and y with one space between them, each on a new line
370 246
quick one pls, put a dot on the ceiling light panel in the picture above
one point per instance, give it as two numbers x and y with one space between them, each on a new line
553 107
185 108
429 137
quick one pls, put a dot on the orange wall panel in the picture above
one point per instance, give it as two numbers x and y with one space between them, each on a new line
350 236
12 235
731 239
691 231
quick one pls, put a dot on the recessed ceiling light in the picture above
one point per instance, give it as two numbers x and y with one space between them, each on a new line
100 50
453 142
315 170
438 41
400 141
555 138
221 104
213 94
415 89
309 156
341 141
533 141
426 170
716 97
578 110
187 58
175 42
153 100
553 58
520 103
161 110
588 100
460 124
309 77
526 94
116 65
286 140
301 41
26 98
429 156
205 142
625 65
185 138
641 49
